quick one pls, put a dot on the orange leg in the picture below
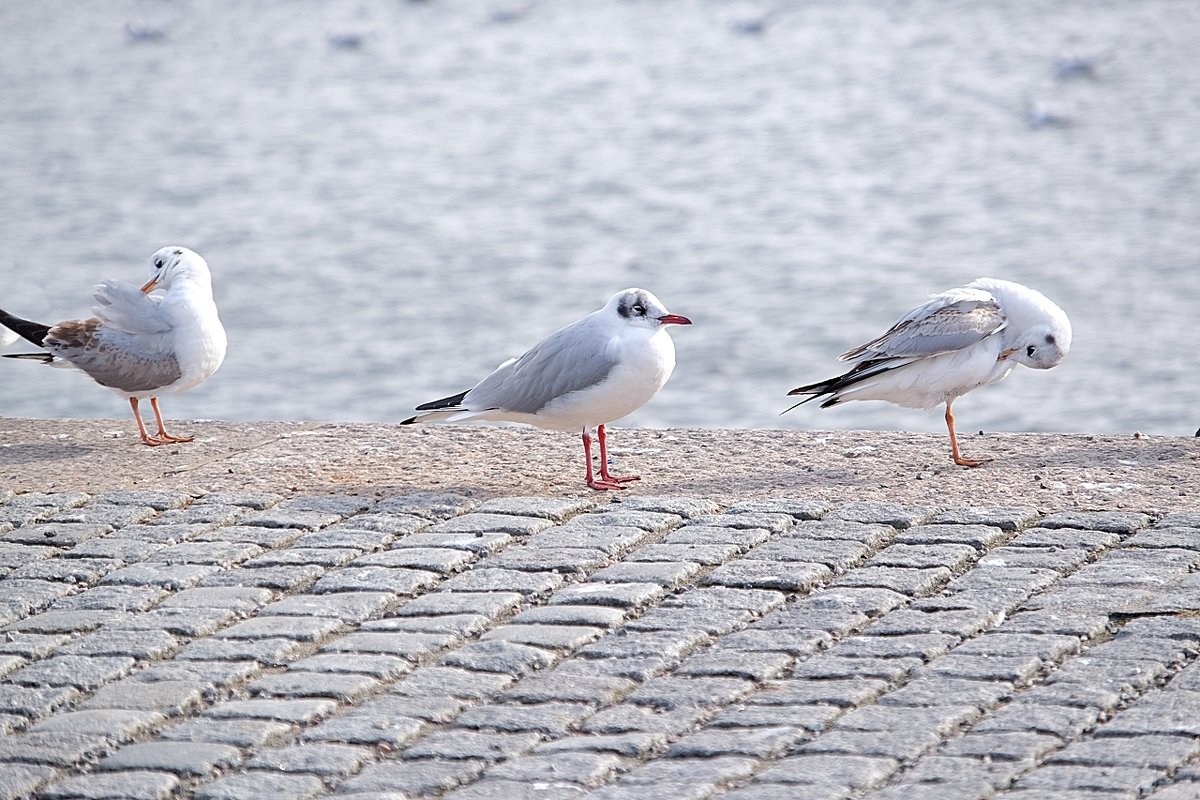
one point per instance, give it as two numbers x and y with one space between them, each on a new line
958 459
603 483
600 434
137 416
162 432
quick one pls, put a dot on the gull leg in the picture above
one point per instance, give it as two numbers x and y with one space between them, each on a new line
146 438
958 459
163 436
600 434
591 479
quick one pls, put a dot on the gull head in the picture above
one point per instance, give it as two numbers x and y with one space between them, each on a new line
1038 333
641 309
1043 346
174 265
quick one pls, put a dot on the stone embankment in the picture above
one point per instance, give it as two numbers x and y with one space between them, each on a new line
354 611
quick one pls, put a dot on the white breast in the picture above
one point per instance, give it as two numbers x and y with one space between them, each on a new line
643 365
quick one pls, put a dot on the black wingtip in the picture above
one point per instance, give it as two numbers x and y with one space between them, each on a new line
445 402
408 421
28 330
45 358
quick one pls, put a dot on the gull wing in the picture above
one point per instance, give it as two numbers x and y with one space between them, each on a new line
569 360
118 359
125 307
950 321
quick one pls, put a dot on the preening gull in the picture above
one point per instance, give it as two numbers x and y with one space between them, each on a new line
600 368
958 341
140 345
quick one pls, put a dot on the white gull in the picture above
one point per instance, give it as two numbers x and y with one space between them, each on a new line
140 345
958 341
595 370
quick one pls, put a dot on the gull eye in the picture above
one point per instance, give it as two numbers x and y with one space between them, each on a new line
158 263
639 309
1030 350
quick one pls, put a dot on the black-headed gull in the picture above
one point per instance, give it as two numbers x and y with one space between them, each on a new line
140 344
583 376
958 341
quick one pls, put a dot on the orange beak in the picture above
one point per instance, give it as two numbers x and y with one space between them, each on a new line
150 285
1006 353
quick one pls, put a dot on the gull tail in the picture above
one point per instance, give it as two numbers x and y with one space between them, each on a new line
34 332
832 388
446 406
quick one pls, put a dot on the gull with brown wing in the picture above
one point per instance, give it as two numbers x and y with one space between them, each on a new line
140 345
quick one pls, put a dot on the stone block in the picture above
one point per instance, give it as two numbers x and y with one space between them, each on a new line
390 780
507 658
300 629
477 522
529 584
472 745
128 785
550 637
556 509
791 576
664 573
337 760
686 692
362 579
610 540
179 758
258 785
487 604
349 607
81 672
617 595
451 682
441 560
345 687
301 712
550 718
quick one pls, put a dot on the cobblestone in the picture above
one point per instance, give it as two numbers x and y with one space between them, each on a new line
243 645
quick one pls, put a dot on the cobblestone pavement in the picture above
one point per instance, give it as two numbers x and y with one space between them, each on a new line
242 645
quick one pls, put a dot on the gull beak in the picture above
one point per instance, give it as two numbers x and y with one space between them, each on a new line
150 284
674 319
1006 353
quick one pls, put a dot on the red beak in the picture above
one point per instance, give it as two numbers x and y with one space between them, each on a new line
674 319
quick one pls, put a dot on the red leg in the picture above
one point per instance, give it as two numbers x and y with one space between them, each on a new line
162 432
600 434
958 459
591 479
146 438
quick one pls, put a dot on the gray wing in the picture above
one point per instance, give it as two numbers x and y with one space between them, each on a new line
950 321
129 362
125 306
566 361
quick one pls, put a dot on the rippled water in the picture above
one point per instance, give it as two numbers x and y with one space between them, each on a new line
387 223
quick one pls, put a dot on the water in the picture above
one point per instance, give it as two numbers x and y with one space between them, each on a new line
387 223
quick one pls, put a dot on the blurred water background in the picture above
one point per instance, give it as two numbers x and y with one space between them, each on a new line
396 196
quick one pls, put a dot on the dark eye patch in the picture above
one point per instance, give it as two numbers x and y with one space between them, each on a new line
1050 338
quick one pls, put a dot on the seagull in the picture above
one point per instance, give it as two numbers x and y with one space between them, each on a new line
140 344
598 369
958 341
